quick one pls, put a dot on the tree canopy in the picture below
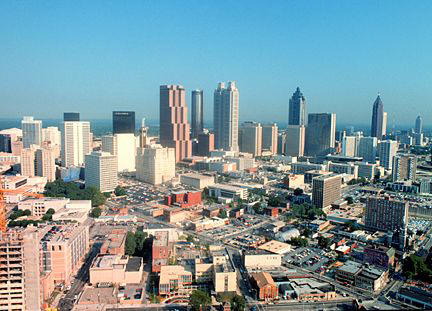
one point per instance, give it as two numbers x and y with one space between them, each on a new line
70 190
199 299
119 191
96 212
414 267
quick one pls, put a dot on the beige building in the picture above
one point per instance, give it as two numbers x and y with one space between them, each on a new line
28 162
270 138
261 260
326 189
101 171
64 249
250 138
116 269
45 162
295 140
275 247
38 207
173 279
155 164
198 181
404 167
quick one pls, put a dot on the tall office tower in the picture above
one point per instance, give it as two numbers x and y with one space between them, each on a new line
404 167
205 143
6 143
349 146
32 131
419 125
387 150
155 164
17 147
326 189
101 171
281 143
45 162
75 142
173 118
123 122
71 116
28 161
320 133
297 109
377 118
367 149
270 137
20 260
51 134
109 144
384 125
386 214
226 116
197 123
250 138
143 141
295 140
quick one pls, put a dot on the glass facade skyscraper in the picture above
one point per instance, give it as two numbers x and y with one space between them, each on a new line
123 122
297 109
197 123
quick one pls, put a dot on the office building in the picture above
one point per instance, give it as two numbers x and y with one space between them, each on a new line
383 213
143 140
297 109
366 170
197 124
173 118
367 149
270 138
295 140
116 269
123 122
71 116
320 134
28 161
418 125
155 164
384 125
226 116
426 185
378 118
20 283
45 162
75 142
404 167
51 134
281 143
101 171
343 168
205 143
31 131
250 138
126 151
109 144
326 189
8 137
387 150
350 146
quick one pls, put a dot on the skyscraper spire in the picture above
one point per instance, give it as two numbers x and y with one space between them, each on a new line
297 109
378 118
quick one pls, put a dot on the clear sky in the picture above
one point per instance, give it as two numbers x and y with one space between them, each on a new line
99 56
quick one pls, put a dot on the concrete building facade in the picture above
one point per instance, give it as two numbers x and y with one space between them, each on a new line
155 164
101 171
326 189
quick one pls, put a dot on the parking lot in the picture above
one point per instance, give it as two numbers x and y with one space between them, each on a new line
312 259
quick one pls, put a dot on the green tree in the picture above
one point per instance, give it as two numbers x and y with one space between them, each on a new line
414 267
189 238
130 244
93 194
298 191
119 191
199 299
47 217
307 232
27 212
140 238
50 211
298 241
96 212
238 303
223 213
350 200
323 242
274 201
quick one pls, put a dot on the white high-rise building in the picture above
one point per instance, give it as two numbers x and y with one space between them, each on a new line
124 147
51 134
109 144
295 140
384 124
225 116
404 167
387 150
367 149
101 171
31 131
349 146
251 138
270 138
28 161
76 142
45 162
155 164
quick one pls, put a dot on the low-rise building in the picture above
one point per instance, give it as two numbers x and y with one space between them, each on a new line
114 244
363 276
380 256
197 181
184 198
261 259
162 250
208 223
275 247
175 214
116 269
227 191
293 181
265 285
174 279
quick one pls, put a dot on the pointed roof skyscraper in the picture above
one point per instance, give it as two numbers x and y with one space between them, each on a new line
377 118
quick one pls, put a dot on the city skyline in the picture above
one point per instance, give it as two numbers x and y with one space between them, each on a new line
119 62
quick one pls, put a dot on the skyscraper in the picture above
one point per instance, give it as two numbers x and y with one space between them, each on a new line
367 149
155 164
173 118
326 189
101 171
75 137
320 133
270 138
123 122
28 161
71 116
45 162
295 140
197 113
387 150
251 138
419 125
143 134
349 146
377 118
31 131
225 116
297 109
404 167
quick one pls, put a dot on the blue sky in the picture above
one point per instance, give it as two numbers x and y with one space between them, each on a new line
99 56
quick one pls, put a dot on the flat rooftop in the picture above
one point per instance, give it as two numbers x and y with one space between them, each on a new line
134 264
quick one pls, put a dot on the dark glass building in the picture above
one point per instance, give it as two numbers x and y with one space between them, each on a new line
71 116
297 109
377 118
123 122
5 143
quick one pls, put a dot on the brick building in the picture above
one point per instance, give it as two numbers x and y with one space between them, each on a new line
184 198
